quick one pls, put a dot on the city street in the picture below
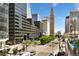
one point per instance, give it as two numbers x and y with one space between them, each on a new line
45 50
36 30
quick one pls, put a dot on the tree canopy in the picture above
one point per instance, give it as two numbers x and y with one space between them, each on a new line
46 39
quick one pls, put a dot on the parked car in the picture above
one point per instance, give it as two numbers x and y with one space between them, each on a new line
56 42
26 54
51 54
32 53
61 53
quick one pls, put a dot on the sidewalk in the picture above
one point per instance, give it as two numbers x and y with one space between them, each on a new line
67 50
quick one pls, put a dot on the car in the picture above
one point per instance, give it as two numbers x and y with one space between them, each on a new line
26 54
32 53
56 42
51 54
61 53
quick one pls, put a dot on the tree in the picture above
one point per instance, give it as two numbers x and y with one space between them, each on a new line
59 34
4 52
77 44
23 48
36 42
46 39
26 43
15 51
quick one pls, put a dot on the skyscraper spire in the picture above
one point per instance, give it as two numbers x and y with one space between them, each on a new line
29 13
52 21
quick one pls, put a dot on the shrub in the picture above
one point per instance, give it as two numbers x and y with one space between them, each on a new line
36 42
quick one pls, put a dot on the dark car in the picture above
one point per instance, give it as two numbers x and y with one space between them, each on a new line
32 53
61 54
51 54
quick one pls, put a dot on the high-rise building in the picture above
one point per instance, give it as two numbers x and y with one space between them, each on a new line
72 23
36 17
44 27
21 23
51 21
4 34
18 23
67 24
37 22
33 32
48 24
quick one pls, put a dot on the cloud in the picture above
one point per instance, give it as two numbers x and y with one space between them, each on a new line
76 6
54 4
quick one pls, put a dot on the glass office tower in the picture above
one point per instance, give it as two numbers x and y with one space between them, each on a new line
17 22
3 23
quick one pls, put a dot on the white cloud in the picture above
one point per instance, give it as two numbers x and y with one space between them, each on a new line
54 4
76 6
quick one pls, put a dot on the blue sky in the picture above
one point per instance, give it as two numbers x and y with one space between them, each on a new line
61 10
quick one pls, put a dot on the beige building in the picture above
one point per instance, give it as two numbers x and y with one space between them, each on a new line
72 23
45 27
51 21
48 24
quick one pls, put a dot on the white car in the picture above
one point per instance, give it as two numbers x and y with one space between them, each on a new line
26 54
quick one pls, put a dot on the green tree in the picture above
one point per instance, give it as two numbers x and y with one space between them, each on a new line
15 51
58 34
46 39
26 43
4 52
77 44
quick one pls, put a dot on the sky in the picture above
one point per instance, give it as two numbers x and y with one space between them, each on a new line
61 10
